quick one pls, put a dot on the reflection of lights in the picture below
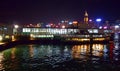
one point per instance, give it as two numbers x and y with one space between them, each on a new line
13 53
97 49
31 51
77 50
116 46
1 59
105 49
66 49
116 36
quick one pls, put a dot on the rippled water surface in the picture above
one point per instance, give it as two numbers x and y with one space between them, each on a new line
86 57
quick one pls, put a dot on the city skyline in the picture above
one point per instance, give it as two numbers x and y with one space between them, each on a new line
56 10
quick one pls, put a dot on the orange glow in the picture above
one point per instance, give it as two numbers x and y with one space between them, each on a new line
97 49
75 22
79 50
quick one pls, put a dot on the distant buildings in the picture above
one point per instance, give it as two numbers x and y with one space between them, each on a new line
64 27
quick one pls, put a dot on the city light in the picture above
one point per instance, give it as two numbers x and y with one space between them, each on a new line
105 27
90 20
62 21
100 27
75 22
63 26
116 26
70 23
16 26
98 20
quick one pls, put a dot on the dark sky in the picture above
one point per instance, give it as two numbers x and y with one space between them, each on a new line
34 11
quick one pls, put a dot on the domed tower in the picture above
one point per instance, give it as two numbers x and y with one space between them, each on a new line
86 17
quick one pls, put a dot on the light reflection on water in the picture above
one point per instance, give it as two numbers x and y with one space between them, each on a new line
1 61
79 51
31 56
61 57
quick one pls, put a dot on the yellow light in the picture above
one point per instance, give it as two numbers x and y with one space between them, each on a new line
31 35
7 36
75 22
1 38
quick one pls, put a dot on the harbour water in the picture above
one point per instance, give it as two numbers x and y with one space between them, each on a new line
83 57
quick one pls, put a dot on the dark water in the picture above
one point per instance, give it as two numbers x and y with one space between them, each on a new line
86 57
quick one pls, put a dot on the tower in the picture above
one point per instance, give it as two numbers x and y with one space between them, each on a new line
86 17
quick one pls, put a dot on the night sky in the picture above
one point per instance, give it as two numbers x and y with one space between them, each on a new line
34 11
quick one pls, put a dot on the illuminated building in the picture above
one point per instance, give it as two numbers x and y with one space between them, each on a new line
86 18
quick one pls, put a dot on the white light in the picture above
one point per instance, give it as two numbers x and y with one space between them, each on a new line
48 25
63 26
16 26
116 36
70 23
95 31
98 20
100 27
90 31
62 21
116 26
